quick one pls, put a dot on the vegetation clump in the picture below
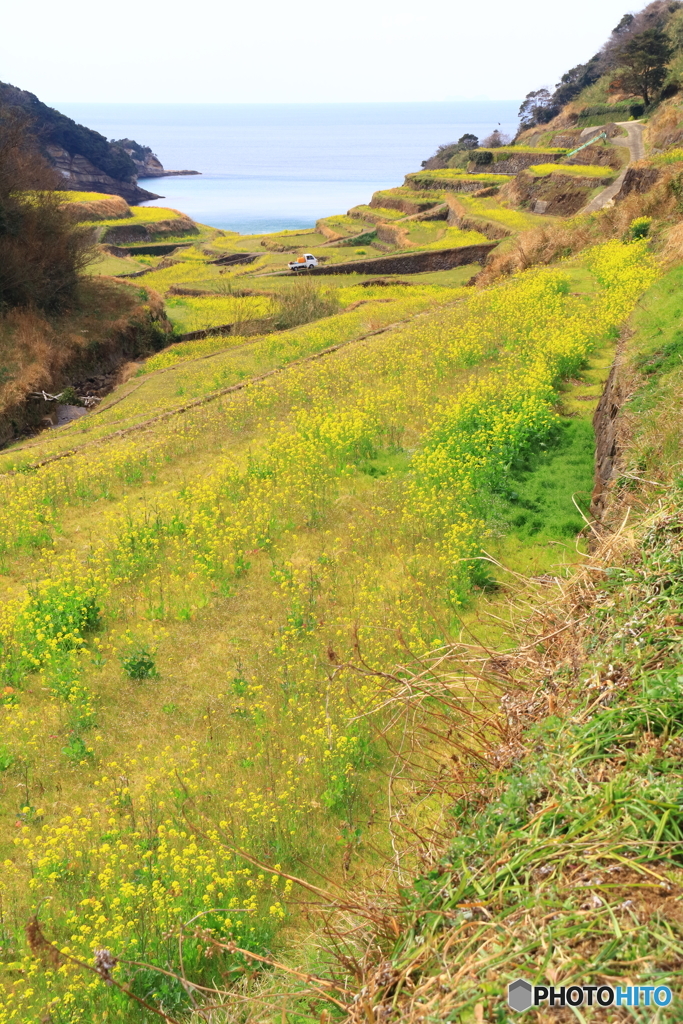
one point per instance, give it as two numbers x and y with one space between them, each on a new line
573 170
41 253
644 59
138 662
304 303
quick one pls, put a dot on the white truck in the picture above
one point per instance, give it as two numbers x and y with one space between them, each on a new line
305 262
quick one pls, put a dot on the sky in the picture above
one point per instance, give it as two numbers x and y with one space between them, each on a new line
219 51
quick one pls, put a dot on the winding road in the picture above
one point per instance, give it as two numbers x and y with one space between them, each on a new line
634 131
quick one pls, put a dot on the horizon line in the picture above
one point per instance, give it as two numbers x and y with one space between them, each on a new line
278 103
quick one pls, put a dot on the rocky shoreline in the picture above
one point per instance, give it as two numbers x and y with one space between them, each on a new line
85 160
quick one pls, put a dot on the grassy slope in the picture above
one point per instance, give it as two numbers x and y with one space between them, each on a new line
234 651
182 372
566 867
217 640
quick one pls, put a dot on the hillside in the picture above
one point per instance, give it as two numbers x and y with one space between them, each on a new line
340 628
639 65
84 159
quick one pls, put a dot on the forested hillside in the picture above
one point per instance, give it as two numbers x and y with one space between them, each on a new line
83 158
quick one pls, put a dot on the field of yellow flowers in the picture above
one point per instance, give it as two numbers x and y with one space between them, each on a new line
199 586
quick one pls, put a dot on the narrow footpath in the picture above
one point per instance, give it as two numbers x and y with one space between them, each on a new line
634 130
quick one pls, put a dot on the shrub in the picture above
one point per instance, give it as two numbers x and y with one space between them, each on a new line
446 152
69 397
139 662
638 228
367 238
481 157
496 139
55 619
676 187
40 251
672 156
303 303
597 109
76 750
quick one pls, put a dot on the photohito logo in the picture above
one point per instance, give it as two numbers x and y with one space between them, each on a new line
522 995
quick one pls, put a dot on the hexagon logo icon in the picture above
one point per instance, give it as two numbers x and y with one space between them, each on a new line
520 995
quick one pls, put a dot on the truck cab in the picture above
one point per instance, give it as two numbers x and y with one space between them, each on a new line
305 262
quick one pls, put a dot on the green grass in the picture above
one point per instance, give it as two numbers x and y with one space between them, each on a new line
375 213
262 353
191 269
342 224
435 235
655 352
564 863
597 120
570 848
592 95
216 625
489 208
404 192
453 278
304 239
657 348
194 313
505 152
536 502
113 266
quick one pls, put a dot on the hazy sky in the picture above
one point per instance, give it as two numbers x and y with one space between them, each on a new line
297 50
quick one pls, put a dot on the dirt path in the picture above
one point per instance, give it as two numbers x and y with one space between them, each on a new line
634 130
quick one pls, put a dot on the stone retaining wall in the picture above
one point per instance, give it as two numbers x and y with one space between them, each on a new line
412 262
233 258
146 232
428 184
520 162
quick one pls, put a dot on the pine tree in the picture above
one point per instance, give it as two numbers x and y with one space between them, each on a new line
644 59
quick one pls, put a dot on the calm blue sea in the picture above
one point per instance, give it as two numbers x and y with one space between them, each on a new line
266 167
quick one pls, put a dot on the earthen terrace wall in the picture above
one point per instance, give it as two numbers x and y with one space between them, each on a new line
412 262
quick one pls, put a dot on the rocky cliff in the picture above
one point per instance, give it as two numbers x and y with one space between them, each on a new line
146 162
81 175
84 159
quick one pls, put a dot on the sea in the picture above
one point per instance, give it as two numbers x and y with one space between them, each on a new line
268 167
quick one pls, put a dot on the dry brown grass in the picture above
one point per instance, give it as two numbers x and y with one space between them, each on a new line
111 322
672 250
665 129
99 209
537 246
540 246
449 947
